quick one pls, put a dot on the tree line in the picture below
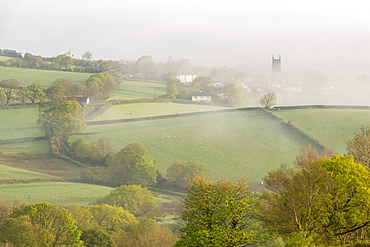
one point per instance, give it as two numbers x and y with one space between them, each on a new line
144 67
97 87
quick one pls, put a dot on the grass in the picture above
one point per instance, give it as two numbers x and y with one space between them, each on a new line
58 193
8 172
3 58
35 147
232 144
42 163
45 77
19 123
139 89
332 127
151 109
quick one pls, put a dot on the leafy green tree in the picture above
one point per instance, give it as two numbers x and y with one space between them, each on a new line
2 97
236 94
172 86
133 165
62 121
268 100
359 146
37 93
146 234
324 202
10 87
21 232
42 224
180 174
56 93
111 217
86 152
23 94
64 61
97 238
217 214
134 198
100 86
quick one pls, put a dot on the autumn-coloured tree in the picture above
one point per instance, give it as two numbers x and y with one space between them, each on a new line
359 146
180 174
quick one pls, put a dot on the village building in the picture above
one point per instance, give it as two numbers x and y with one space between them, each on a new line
201 97
83 101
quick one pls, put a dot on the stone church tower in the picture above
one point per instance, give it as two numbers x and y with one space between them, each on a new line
276 68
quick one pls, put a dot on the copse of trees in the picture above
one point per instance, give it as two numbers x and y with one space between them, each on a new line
61 121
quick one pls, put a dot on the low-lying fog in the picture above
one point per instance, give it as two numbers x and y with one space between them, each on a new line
325 38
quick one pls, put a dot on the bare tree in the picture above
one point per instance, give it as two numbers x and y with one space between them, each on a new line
268 100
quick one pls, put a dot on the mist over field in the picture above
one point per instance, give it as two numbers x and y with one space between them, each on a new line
318 41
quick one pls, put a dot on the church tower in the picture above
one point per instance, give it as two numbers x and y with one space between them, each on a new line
276 68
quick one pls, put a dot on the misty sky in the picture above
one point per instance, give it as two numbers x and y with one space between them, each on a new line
312 35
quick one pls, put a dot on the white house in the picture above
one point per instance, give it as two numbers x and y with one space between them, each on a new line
185 78
201 97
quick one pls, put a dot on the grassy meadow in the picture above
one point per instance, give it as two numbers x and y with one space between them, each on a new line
58 193
8 172
151 109
34 147
19 123
44 77
137 89
331 127
231 144
3 58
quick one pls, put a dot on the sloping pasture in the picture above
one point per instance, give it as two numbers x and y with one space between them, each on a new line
137 89
58 193
7 172
138 110
3 58
44 77
231 144
331 127
19 123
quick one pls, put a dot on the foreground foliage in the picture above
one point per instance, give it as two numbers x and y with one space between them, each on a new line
217 214
325 202
40 224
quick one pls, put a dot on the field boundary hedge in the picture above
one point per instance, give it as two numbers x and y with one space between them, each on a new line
22 140
27 181
293 128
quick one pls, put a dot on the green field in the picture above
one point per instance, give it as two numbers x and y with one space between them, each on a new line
151 109
19 123
44 77
58 193
34 147
8 172
2 58
231 144
138 90
331 127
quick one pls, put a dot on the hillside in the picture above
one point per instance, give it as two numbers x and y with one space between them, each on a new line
44 77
